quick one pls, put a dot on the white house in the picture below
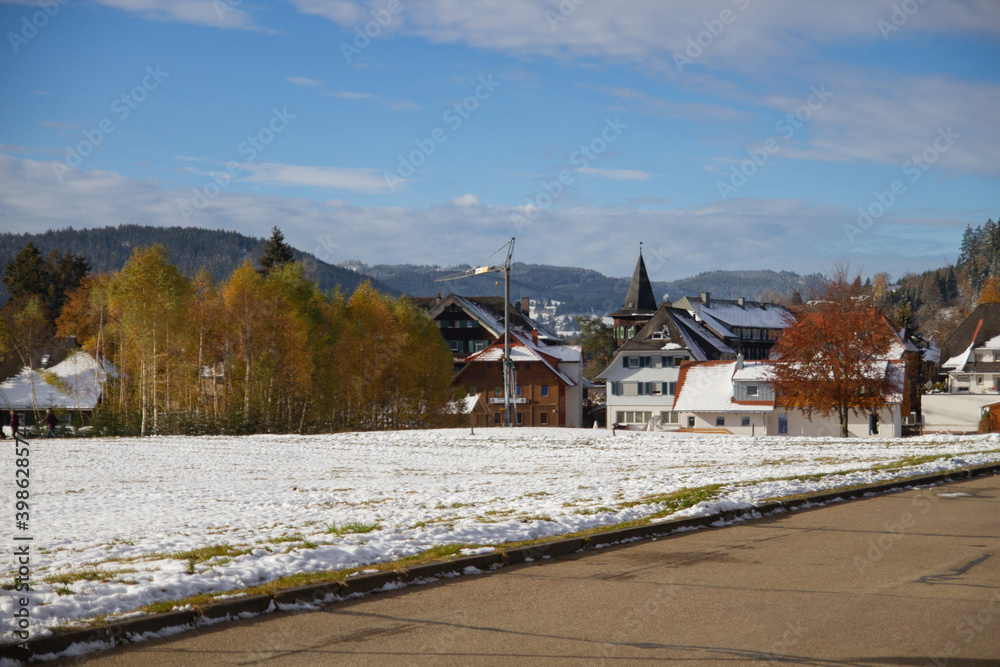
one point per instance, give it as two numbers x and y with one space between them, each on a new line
739 398
972 353
642 377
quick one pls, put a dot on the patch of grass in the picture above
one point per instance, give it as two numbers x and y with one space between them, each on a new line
593 510
351 527
90 574
202 554
536 494
296 537
676 500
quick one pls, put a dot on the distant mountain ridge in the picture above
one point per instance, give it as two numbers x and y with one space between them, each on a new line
577 290
189 248
583 290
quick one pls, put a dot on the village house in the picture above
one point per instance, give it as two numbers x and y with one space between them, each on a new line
748 327
75 385
548 385
642 377
738 397
470 324
972 353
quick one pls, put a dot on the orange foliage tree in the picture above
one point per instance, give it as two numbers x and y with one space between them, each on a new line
833 358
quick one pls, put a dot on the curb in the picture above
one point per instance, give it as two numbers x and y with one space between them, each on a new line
131 630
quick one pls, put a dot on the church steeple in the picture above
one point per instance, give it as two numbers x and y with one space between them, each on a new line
640 292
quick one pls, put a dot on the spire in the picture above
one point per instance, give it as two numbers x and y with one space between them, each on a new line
640 292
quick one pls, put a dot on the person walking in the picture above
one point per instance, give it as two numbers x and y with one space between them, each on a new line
15 421
52 421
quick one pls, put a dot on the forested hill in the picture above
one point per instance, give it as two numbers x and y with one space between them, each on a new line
189 249
584 290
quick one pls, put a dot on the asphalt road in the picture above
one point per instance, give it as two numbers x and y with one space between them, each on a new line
909 578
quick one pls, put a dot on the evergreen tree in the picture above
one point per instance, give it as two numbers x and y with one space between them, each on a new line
27 275
277 253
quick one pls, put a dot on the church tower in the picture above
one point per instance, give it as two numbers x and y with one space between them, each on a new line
639 305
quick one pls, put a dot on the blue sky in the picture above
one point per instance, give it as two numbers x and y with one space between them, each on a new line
734 134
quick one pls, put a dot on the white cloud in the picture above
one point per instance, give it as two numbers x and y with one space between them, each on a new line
225 14
466 200
337 178
348 95
742 233
651 31
617 174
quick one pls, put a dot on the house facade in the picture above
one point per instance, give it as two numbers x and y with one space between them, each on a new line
642 377
548 383
972 353
738 397
471 324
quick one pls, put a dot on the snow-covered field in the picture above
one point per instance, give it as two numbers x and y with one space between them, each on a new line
121 512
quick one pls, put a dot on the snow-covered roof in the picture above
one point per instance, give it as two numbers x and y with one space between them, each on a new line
958 362
523 348
76 383
992 343
750 314
753 371
494 322
708 387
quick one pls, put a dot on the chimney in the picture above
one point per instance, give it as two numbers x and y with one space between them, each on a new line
706 297
534 336
739 361
526 306
740 301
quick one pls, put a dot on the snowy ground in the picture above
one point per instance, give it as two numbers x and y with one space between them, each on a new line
121 512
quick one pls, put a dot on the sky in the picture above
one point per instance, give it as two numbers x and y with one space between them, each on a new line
725 134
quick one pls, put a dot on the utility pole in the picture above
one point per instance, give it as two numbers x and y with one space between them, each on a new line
507 366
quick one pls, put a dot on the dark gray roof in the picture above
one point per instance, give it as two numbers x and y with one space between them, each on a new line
676 325
639 297
980 326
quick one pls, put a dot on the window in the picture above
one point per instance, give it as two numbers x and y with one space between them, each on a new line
669 417
671 388
633 362
630 388
720 421
544 419
751 390
979 379
690 422
498 391
619 417
480 345
453 344
517 392
545 390
496 418
783 424
744 421
520 416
